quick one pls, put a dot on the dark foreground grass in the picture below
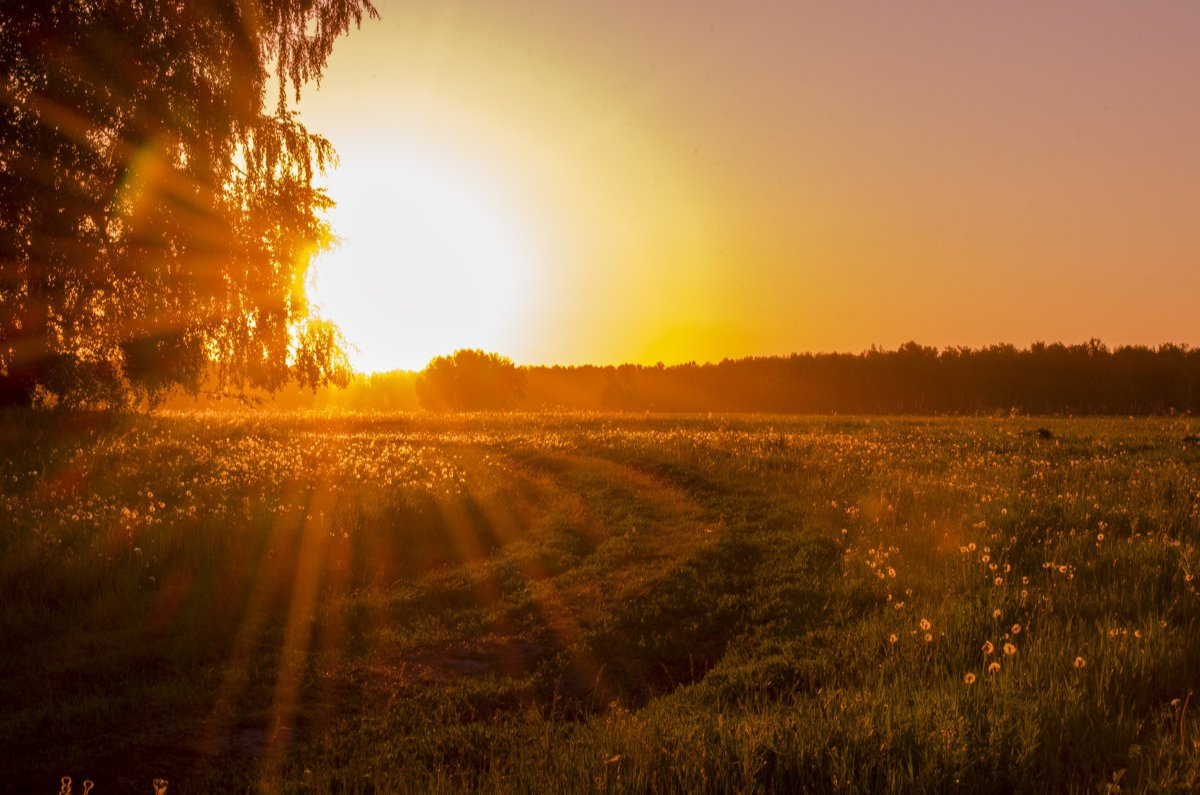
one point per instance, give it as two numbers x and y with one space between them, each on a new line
571 603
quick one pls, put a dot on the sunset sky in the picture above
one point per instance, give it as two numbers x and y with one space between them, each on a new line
571 182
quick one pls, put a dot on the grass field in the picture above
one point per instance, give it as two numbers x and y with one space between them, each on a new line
566 603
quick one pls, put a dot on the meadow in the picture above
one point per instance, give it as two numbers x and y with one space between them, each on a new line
596 602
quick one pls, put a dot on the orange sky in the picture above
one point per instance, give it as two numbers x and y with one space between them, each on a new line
643 181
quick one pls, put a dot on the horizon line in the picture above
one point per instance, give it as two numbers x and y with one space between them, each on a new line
874 348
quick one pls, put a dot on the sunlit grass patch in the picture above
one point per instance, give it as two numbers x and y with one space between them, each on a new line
604 602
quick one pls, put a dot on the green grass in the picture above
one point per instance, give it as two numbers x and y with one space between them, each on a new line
593 602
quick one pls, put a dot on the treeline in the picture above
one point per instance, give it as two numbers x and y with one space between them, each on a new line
1043 379
914 379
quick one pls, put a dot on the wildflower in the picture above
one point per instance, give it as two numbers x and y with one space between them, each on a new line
1080 662
969 679
988 648
893 638
1016 629
999 581
996 613
928 638
925 625
994 668
1009 650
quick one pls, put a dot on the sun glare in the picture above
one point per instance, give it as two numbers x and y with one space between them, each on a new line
428 261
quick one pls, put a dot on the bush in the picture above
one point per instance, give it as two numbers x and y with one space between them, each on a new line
470 380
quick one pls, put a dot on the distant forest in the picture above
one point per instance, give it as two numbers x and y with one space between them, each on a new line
1089 378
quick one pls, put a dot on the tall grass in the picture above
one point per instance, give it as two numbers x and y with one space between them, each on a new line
598 602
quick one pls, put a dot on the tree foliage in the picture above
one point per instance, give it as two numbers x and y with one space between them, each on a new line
1087 378
470 380
156 222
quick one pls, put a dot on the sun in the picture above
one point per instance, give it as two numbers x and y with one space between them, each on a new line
428 260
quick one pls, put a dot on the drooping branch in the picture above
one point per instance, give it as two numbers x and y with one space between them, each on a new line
154 219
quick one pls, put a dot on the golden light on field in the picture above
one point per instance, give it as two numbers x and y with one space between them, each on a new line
428 261
231 560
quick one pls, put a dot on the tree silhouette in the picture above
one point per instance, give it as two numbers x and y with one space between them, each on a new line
470 380
1088 378
155 221
1046 378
